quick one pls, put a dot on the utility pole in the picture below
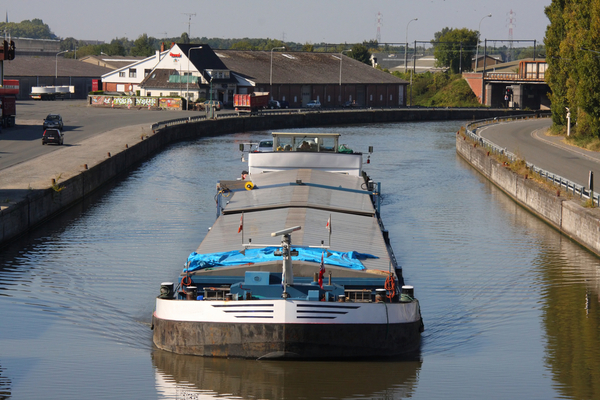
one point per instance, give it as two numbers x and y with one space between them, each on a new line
190 15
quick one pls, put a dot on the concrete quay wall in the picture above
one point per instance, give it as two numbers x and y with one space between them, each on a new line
568 216
28 205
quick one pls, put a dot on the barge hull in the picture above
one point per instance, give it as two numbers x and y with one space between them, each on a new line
295 341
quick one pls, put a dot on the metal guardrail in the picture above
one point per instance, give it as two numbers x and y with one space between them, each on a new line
569 186
178 121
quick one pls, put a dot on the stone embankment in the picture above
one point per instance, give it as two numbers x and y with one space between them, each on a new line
35 191
553 206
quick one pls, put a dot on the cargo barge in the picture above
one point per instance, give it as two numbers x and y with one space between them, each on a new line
297 265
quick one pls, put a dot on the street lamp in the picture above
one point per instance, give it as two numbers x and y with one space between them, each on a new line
479 34
187 80
341 57
271 73
406 44
56 70
341 54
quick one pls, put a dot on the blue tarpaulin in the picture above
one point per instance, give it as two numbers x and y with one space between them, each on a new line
350 259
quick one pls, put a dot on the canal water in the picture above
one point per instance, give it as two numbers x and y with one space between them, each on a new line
510 306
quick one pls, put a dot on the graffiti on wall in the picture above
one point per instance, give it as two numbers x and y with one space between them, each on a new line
132 101
146 101
170 103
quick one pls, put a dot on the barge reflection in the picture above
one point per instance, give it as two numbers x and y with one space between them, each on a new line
181 376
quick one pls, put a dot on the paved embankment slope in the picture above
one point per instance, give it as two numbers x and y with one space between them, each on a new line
568 216
29 196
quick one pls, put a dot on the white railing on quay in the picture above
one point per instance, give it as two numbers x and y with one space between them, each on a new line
569 186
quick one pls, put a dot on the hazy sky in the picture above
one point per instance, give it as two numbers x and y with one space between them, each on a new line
302 21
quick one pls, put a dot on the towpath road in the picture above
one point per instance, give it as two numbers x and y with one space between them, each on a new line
527 139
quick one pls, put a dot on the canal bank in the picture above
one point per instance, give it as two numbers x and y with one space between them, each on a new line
554 207
35 191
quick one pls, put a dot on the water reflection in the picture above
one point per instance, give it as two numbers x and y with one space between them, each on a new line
191 377
567 279
4 384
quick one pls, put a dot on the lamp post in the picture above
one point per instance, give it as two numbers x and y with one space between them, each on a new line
187 96
341 57
342 53
479 34
406 44
56 70
271 72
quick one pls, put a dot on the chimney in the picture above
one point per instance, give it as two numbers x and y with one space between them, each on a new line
162 47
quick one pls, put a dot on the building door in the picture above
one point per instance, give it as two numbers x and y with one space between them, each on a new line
360 95
306 91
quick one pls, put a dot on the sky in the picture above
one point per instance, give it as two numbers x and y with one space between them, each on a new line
301 21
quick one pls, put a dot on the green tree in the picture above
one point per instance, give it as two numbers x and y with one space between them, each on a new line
143 46
455 49
308 47
185 39
572 44
116 48
437 37
361 53
242 45
34 29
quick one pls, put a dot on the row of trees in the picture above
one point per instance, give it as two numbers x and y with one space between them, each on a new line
573 55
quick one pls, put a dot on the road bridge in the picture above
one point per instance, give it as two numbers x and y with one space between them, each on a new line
519 84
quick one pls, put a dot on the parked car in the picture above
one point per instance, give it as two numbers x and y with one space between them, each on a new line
52 135
218 105
284 104
313 104
349 104
272 104
53 121
264 145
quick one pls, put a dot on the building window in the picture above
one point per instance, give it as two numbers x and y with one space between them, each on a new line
122 74
173 94
147 72
149 94
132 73
370 97
295 99
391 98
380 97
329 99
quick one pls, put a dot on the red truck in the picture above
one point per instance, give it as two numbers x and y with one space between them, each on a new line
252 102
8 102
9 89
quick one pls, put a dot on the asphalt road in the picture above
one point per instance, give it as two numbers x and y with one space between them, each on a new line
527 139
23 142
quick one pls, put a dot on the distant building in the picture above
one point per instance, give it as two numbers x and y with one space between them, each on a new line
127 77
112 62
36 47
41 71
293 77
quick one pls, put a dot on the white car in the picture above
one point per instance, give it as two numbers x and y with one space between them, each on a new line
313 104
263 146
